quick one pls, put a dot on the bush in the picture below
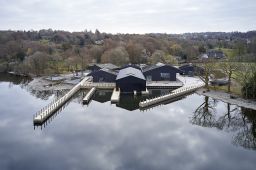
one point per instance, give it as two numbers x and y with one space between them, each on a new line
249 88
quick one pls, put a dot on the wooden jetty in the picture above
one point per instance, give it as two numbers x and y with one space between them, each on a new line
146 92
174 94
115 96
164 84
46 112
89 95
98 85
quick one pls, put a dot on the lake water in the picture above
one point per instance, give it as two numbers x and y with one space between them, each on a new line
193 133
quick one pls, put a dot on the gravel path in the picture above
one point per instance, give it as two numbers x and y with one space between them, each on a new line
225 97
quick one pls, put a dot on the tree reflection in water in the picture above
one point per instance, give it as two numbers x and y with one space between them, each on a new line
204 115
239 121
246 134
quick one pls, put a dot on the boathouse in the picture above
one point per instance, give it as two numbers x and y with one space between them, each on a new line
161 72
103 75
130 79
95 67
191 70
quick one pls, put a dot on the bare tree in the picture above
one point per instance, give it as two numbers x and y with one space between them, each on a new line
208 68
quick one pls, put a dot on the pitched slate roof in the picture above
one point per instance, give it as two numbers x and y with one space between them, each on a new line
130 71
106 66
148 68
105 70
131 65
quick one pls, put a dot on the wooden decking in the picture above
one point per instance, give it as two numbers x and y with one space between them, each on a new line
100 85
89 95
174 94
41 116
164 84
115 96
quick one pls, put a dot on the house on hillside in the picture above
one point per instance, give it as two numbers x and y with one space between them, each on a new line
130 79
215 54
191 70
103 75
160 72
95 67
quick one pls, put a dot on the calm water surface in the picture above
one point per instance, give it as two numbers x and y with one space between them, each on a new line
193 133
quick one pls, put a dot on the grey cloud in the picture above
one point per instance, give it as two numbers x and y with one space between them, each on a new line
129 16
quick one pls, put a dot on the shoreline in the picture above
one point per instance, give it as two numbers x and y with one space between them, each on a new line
225 97
65 81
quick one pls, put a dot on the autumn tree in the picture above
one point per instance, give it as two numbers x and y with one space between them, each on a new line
134 50
157 56
37 63
118 56
95 53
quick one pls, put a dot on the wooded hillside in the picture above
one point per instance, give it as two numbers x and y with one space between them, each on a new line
49 52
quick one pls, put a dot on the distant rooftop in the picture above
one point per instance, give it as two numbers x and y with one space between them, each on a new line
106 66
158 65
109 71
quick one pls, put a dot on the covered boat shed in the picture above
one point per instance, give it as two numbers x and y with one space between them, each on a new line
103 75
161 72
95 67
191 70
130 79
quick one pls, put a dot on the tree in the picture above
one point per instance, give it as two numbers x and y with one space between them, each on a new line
169 59
118 56
208 67
246 75
134 50
81 53
201 49
229 67
37 63
157 56
96 52
176 50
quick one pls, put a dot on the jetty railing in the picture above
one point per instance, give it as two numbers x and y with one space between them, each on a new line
48 110
99 85
174 94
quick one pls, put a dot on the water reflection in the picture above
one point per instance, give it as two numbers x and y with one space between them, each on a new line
102 96
240 121
204 115
14 80
103 136
246 133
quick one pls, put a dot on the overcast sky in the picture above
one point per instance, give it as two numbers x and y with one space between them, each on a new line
129 16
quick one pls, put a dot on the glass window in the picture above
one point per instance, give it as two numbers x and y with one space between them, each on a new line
165 76
101 79
149 78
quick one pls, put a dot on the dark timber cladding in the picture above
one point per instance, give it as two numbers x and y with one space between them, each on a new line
191 70
130 79
103 75
161 73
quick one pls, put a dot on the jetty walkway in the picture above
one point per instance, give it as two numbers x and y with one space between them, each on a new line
174 94
190 85
41 116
